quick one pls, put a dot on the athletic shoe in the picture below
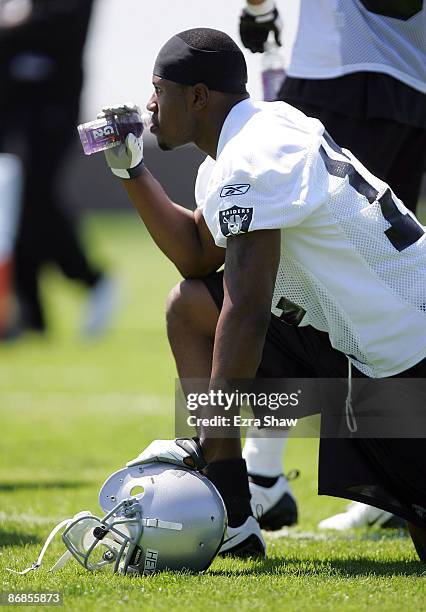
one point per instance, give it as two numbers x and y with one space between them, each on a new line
361 515
274 506
100 307
244 541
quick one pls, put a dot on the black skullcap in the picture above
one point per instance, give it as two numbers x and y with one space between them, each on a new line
203 55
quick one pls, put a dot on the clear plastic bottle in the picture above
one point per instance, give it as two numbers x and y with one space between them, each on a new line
110 131
273 73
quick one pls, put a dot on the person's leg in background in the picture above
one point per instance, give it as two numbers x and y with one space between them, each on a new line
47 233
10 192
272 499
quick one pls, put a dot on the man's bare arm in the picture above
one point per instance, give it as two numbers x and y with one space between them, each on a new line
251 266
181 234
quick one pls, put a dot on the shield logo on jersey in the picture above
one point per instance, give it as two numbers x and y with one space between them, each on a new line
235 220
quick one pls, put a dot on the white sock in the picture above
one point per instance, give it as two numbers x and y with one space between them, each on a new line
263 455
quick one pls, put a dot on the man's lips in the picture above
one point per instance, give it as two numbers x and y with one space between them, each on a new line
154 126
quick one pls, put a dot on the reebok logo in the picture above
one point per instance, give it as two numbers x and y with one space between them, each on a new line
231 190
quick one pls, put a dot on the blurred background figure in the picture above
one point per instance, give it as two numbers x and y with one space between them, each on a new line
359 67
10 193
41 74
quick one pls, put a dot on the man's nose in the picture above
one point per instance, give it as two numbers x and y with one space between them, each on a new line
151 105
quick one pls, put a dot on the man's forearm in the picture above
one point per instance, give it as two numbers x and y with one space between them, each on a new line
250 270
171 226
251 267
239 342
237 354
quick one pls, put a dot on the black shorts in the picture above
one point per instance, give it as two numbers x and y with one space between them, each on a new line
388 473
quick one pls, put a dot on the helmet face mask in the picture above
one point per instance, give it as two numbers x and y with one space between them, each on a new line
97 543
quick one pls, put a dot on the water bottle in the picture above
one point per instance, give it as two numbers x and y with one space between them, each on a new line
111 130
273 73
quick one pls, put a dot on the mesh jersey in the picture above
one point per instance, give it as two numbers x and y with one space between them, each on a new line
329 38
352 256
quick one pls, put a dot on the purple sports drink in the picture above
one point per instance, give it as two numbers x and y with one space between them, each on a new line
111 130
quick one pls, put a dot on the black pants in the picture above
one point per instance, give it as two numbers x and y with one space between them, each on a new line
389 473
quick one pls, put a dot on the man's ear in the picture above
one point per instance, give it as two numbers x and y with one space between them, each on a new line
201 95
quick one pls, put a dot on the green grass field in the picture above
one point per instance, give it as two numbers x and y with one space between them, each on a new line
73 411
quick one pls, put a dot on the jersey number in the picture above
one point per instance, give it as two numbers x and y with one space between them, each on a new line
404 230
402 233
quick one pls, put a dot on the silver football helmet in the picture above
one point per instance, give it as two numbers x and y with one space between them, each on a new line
158 517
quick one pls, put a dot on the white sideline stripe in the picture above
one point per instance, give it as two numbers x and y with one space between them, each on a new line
147 404
331 535
296 535
32 519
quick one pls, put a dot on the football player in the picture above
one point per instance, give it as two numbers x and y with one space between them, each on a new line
298 221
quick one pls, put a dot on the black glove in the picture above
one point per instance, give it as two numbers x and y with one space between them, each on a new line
254 30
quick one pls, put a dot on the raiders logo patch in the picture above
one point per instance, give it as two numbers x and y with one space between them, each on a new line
233 190
235 220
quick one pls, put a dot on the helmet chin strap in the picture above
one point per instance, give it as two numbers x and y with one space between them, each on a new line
50 537
63 559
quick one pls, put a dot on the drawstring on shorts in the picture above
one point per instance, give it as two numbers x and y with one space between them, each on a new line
350 417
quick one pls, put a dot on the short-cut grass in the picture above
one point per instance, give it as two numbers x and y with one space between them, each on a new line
73 411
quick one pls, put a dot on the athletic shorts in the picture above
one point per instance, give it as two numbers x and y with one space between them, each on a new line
389 473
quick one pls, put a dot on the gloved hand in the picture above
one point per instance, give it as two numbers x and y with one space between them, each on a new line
125 160
185 452
256 22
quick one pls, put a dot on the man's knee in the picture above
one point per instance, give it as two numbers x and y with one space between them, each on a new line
181 300
189 303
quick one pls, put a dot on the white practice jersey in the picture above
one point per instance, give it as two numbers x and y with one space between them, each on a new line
352 256
329 38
